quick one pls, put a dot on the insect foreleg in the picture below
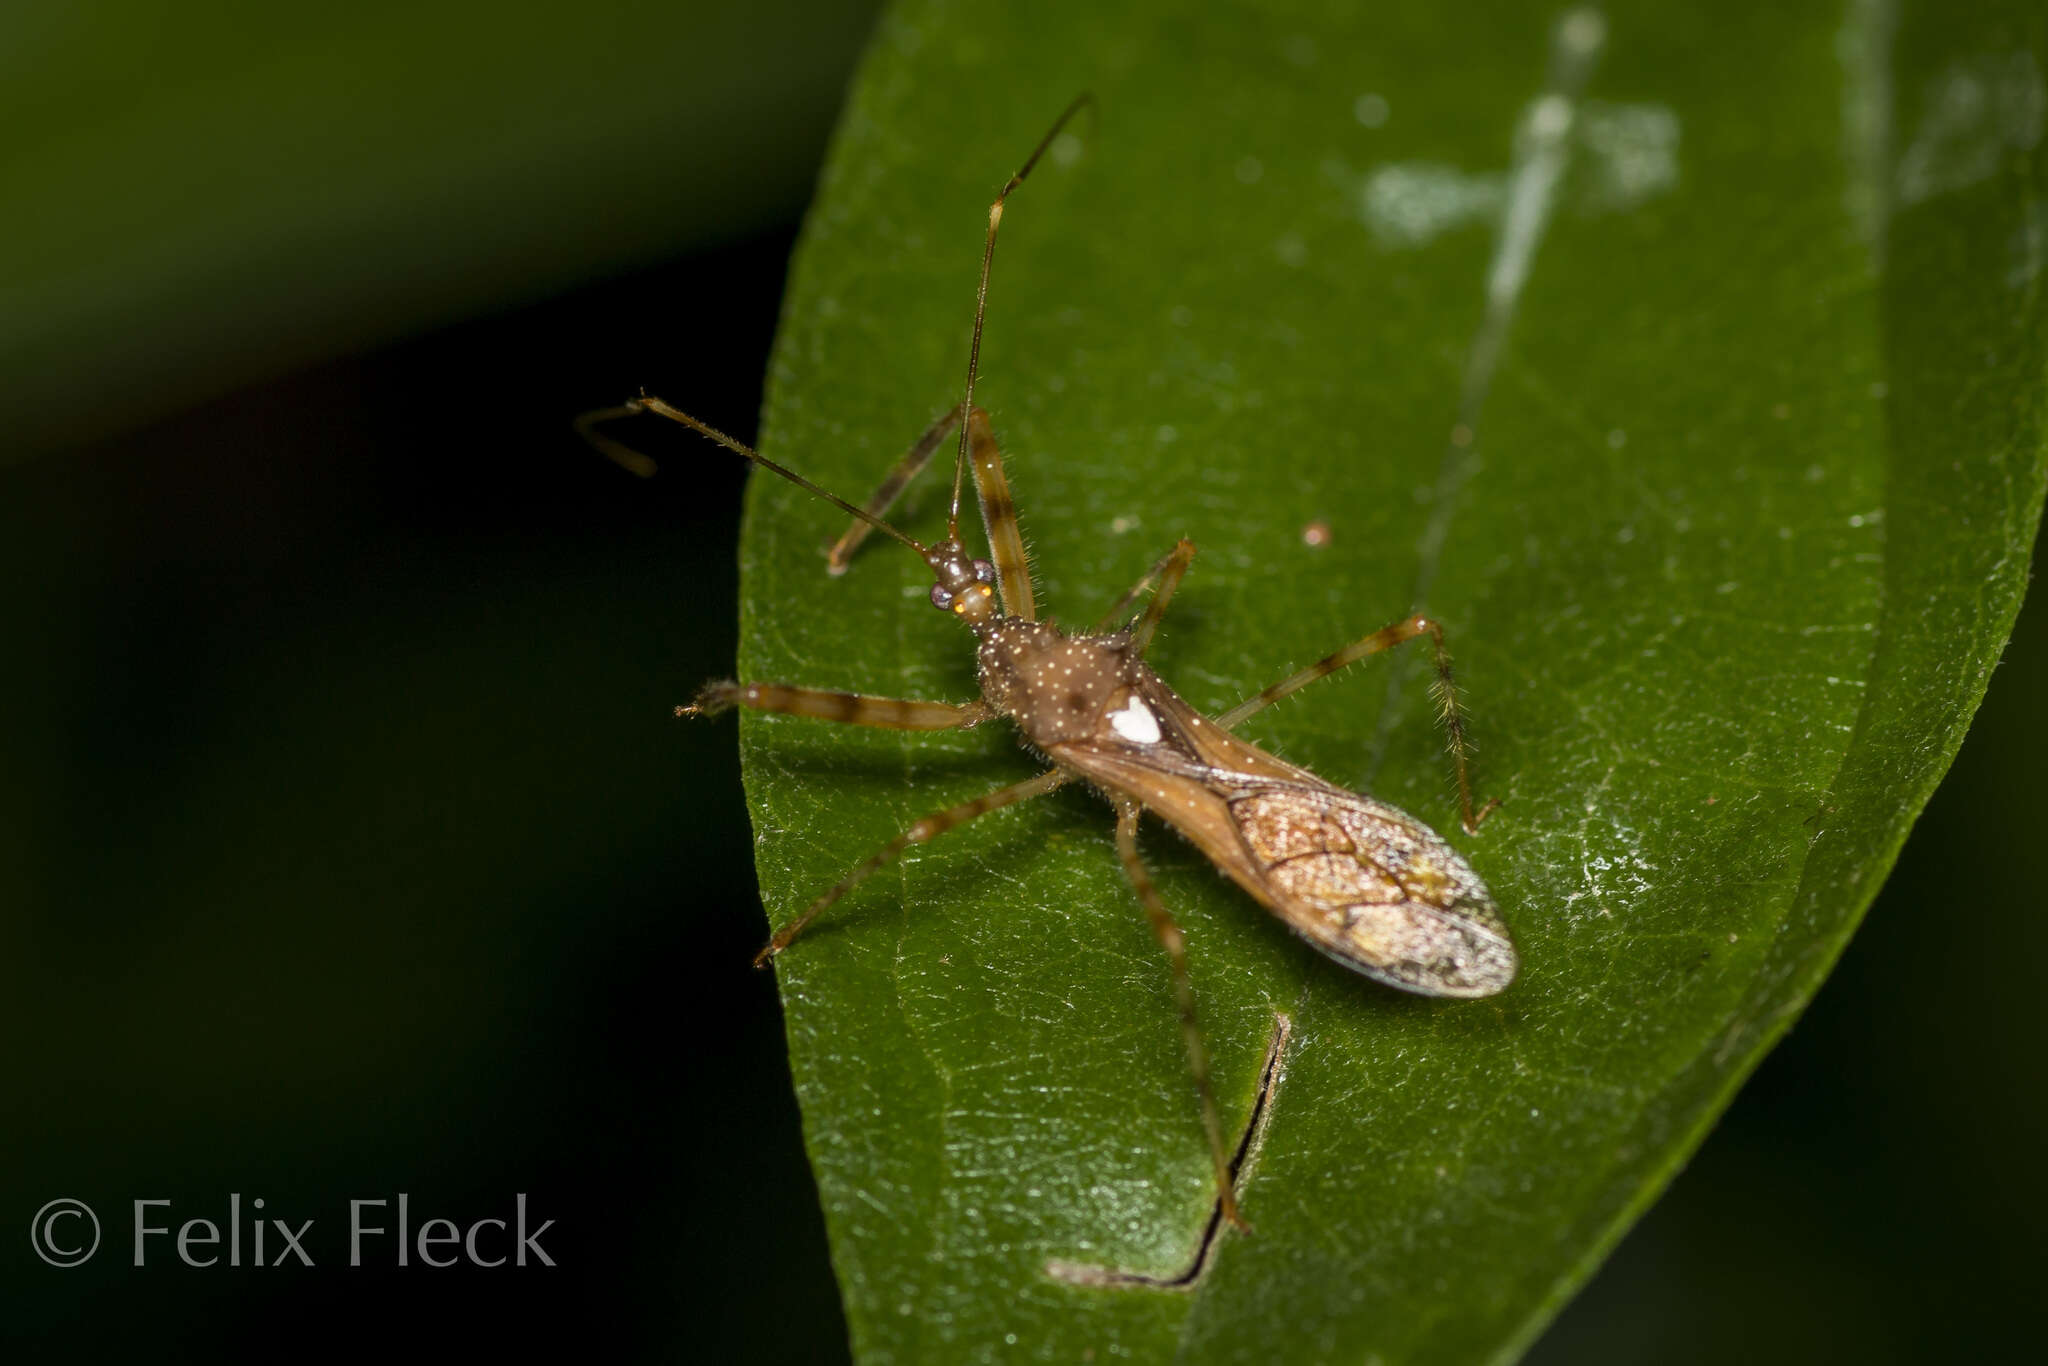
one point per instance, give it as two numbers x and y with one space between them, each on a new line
992 491
908 468
1446 688
1170 938
932 826
857 709
999 515
1167 573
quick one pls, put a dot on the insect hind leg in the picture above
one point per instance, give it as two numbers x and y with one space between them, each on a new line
1445 687
1171 939
931 827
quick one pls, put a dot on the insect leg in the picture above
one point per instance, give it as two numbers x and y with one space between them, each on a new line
1169 579
999 515
908 468
1170 938
1167 572
998 509
1446 690
932 826
858 709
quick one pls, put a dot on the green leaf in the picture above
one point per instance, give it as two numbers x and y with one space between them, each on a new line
1725 499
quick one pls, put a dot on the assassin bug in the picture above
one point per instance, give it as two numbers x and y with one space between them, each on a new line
1369 885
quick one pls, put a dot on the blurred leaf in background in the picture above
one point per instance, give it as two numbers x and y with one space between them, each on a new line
348 850
205 193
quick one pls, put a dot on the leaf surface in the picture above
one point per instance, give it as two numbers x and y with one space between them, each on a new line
1687 363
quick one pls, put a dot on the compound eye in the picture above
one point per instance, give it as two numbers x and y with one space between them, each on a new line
984 572
940 597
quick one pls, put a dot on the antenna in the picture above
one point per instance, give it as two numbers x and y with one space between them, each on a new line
988 253
641 465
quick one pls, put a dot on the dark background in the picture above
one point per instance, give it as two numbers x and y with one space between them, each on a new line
349 849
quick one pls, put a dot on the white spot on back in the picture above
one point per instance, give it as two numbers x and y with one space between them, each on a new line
1136 723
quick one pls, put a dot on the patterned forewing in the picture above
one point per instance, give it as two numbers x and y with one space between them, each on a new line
1374 888
1369 885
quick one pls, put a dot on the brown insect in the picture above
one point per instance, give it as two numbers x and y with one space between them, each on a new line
1367 884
